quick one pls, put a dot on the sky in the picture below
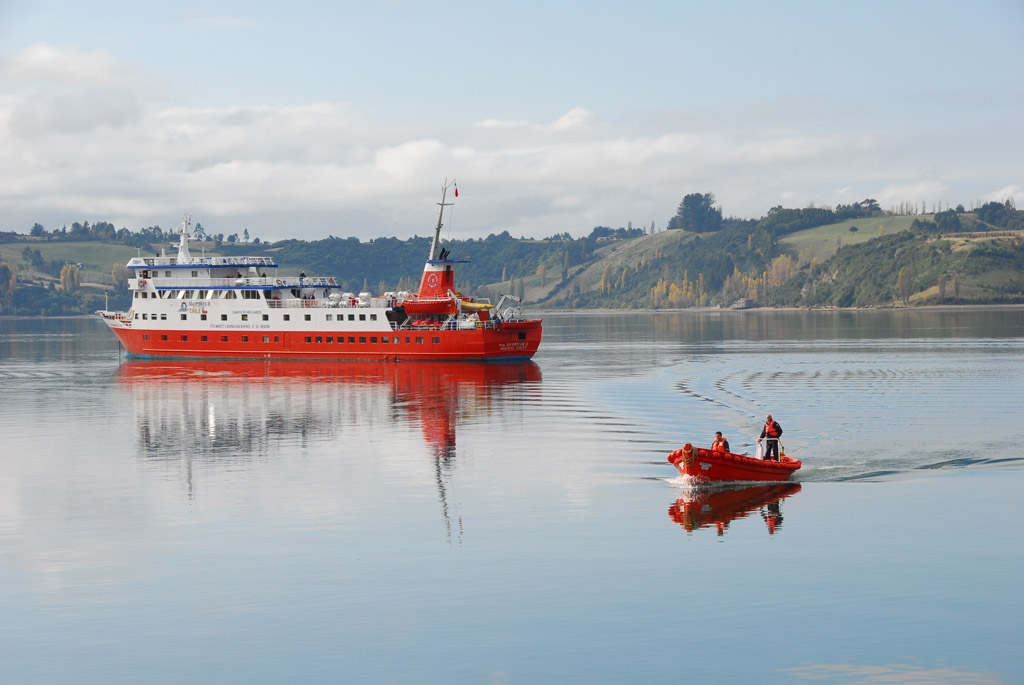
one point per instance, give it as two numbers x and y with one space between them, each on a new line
308 119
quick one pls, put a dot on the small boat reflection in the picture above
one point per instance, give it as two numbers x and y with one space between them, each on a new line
707 508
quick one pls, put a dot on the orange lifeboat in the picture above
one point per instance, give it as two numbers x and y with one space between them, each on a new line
707 466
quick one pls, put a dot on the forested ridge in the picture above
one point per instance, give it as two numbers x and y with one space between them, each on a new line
848 256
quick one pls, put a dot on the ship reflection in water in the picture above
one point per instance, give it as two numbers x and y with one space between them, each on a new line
242 406
224 414
707 508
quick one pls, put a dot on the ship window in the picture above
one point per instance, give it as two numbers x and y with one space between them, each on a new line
202 338
145 294
373 338
202 294
406 340
373 317
266 338
145 336
223 338
245 338
202 317
436 340
362 317
396 339
184 338
245 317
309 339
330 338
136 296
223 317
362 338
287 317
419 340
351 338
145 316
275 338
522 336
163 337
351 317
330 317
308 317
184 317
136 316
341 339
188 294
195 274
167 274
163 317
229 295
384 339
319 338
266 317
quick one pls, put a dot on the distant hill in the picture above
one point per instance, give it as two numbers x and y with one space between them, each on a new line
788 258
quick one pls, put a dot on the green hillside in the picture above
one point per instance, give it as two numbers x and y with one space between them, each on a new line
789 258
822 242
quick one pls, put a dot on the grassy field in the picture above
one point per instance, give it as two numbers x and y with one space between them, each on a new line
97 259
820 242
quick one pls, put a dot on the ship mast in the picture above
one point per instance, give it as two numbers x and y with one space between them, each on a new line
440 216
186 226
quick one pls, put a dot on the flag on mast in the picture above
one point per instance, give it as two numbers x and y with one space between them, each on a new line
456 191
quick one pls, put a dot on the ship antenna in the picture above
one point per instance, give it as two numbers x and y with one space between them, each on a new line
440 216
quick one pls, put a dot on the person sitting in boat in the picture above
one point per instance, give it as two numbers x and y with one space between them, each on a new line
720 444
771 432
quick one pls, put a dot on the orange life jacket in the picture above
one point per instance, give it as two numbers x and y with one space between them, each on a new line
719 445
769 430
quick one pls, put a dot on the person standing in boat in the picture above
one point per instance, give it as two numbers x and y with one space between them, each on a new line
720 444
772 431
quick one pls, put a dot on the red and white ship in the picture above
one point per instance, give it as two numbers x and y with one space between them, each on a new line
241 308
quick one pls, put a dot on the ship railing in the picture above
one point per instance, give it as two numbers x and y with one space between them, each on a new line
261 282
267 262
320 303
449 325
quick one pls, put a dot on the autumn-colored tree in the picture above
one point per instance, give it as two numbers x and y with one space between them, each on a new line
70 277
904 284
120 274
781 270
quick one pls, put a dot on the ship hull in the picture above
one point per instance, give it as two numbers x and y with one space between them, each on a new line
512 341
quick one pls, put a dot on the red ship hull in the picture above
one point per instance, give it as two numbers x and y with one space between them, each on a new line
705 466
513 341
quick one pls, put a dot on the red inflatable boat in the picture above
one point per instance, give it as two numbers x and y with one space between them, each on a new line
706 466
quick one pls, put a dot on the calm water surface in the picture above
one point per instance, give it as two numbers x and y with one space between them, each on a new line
518 523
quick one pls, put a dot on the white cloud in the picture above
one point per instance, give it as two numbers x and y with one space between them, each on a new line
923 191
42 63
501 123
1014 193
575 118
91 142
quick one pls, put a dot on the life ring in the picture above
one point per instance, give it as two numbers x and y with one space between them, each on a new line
142 283
278 282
